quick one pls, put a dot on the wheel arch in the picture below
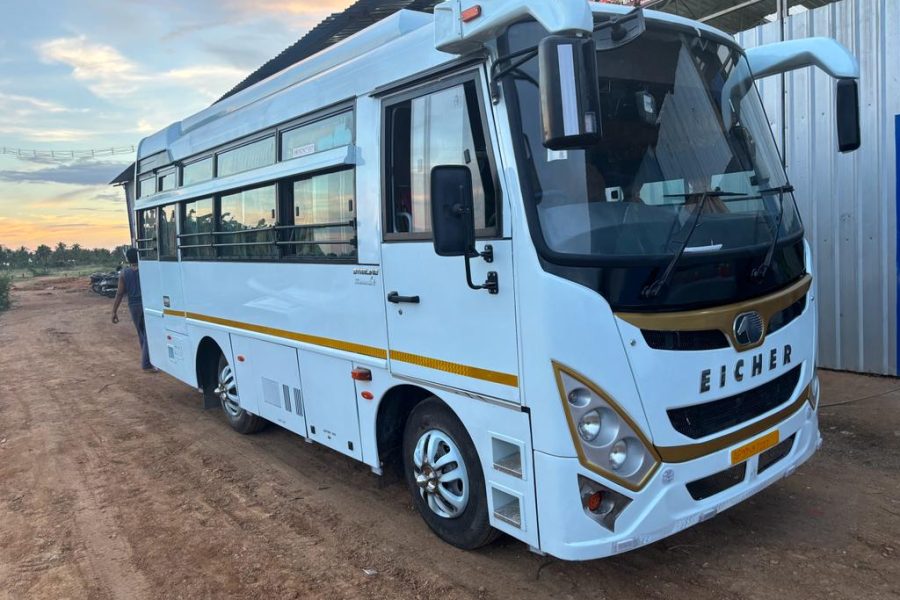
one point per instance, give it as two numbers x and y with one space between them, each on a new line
206 362
393 412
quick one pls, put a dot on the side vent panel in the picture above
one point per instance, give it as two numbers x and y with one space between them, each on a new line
298 402
507 456
286 392
507 507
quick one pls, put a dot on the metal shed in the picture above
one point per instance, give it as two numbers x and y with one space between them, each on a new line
849 203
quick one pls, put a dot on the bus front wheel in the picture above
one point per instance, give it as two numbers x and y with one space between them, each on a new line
239 419
444 476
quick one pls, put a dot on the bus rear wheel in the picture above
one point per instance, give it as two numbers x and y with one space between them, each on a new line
239 419
444 476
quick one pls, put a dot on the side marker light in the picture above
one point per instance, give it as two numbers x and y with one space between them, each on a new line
472 13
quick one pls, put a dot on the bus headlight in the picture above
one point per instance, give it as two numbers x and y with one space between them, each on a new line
814 392
618 455
589 426
607 440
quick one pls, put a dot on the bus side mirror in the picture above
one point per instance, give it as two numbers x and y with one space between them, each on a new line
452 210
847 113
570 92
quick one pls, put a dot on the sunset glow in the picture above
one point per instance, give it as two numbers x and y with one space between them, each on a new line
101 74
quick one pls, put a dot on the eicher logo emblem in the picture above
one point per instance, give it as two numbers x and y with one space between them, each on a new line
767 360
748 328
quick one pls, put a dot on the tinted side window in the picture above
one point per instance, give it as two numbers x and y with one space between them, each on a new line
147 235
167 182
442 128
168 234
146 186
324 213
246 157
195 172
246 224
331 132
197 228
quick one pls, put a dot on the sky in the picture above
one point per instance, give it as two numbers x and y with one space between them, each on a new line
92 74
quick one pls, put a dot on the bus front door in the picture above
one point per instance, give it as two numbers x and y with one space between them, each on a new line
439 329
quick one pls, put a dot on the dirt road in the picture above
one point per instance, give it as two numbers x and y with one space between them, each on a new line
115 484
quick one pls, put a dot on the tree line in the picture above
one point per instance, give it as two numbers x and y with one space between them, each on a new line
45 257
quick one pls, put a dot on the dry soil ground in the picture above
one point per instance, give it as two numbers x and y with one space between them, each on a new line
115 484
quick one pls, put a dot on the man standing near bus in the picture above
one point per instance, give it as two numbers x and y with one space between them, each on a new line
130 284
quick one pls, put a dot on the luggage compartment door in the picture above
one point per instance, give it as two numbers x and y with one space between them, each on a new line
268 380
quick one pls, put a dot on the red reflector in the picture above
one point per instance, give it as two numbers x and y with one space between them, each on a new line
241 358
368 395
595 501
361 374
470 14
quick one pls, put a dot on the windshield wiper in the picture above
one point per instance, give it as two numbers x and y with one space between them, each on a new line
759 273
654 289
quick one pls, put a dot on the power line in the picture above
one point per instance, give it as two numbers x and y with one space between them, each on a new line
63 154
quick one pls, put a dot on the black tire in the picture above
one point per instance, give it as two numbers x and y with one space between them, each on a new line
240 420
471 528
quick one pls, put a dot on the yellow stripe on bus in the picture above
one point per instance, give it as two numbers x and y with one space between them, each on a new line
290 335
405 357
456 369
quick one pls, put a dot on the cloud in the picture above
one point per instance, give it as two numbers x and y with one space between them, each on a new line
109 75
104 69
29 105
78 173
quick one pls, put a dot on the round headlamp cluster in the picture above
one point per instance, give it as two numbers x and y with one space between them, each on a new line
607 437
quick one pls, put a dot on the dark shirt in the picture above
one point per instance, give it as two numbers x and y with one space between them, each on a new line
132 286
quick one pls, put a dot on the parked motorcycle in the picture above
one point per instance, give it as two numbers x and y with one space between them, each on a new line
105 284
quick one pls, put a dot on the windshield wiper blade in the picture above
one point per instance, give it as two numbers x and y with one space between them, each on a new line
654 289
761 270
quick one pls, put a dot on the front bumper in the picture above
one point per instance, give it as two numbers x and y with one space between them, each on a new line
662 508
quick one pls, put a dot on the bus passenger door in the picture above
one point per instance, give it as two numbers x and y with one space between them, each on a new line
439 329
170 296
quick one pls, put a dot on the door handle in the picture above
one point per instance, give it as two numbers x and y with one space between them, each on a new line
395 298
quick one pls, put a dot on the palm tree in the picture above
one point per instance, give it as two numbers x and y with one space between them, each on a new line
43 254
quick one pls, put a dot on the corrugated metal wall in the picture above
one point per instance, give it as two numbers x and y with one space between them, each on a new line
849 203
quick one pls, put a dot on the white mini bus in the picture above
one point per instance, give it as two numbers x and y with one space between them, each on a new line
542 256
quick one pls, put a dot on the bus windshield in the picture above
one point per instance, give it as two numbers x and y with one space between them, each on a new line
683 129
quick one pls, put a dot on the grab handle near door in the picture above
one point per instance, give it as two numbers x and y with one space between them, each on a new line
395 298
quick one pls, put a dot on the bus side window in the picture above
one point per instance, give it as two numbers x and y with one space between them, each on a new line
441 128
147 235
323 213
168 237
196 229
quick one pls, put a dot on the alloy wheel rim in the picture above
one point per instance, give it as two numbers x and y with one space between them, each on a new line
441 474
227 391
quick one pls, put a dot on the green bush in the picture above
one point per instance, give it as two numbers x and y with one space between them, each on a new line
5 283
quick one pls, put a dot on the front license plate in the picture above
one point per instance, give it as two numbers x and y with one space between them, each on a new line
758 445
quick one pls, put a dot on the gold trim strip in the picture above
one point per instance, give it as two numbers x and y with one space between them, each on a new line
415 359
456 368
679 454
290 335
722 317
558 369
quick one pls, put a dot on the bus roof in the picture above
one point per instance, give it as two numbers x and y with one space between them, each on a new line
265 103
